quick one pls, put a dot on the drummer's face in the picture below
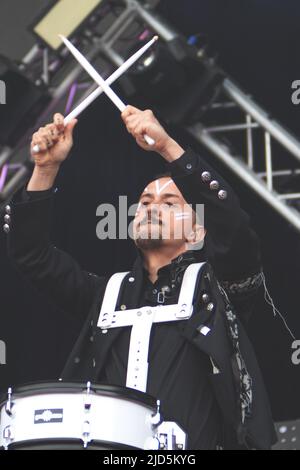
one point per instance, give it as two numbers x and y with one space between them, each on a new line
163 216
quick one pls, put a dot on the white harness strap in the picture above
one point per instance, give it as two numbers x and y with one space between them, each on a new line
111 293
142 319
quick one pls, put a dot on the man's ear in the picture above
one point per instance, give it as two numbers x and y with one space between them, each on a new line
197 234
195 239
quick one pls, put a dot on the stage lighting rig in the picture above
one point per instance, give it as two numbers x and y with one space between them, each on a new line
178 79
64 17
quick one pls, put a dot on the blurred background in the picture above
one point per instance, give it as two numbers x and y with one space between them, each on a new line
223 79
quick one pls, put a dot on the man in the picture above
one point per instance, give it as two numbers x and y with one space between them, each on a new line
203 369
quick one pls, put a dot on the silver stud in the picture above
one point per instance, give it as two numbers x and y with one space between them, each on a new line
77 360
131 279
206 176
8 209
7 219
222 194
205 298
189 166
210 306
104 332
214 185
6 228
123 307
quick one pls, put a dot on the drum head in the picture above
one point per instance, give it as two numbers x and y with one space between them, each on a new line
79 387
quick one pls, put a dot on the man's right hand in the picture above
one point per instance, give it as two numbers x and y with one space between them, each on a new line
55 142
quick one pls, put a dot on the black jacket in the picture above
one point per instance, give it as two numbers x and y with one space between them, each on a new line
232 278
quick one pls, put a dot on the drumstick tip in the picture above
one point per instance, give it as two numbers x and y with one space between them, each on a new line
156 38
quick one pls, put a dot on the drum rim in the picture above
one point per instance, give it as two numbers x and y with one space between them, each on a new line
64 440
115 391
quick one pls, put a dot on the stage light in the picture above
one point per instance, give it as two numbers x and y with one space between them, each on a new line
65 17
176 80
145 62
158 73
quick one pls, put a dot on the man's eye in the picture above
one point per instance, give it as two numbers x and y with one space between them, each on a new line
145 203
171 204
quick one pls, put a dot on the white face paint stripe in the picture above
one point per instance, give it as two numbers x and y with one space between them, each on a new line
182 215
157 186
158 189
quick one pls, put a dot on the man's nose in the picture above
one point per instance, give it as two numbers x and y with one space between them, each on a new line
153 211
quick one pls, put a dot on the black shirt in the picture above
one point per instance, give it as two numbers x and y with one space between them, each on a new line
182 383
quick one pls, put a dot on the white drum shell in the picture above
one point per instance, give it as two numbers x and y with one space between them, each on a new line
108 419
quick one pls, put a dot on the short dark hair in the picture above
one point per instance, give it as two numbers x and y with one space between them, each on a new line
164 174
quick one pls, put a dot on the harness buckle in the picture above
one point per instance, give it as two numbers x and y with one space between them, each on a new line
183 311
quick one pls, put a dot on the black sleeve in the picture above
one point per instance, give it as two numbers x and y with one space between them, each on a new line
231 245
52 271
26 196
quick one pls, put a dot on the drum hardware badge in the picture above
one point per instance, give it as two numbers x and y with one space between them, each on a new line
48 416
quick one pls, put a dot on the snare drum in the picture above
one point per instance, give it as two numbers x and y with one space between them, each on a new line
76 415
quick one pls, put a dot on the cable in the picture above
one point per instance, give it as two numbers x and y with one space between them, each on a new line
270 302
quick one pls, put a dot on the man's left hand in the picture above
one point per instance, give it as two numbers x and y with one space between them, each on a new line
139 123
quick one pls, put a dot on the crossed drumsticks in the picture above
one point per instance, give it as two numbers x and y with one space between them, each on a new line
104 85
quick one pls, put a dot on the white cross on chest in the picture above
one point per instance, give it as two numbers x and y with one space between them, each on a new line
142 319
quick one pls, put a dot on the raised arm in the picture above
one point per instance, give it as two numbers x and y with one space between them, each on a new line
51 270
232 247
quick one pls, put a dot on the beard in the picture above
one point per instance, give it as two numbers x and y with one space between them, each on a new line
150 237
149 243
